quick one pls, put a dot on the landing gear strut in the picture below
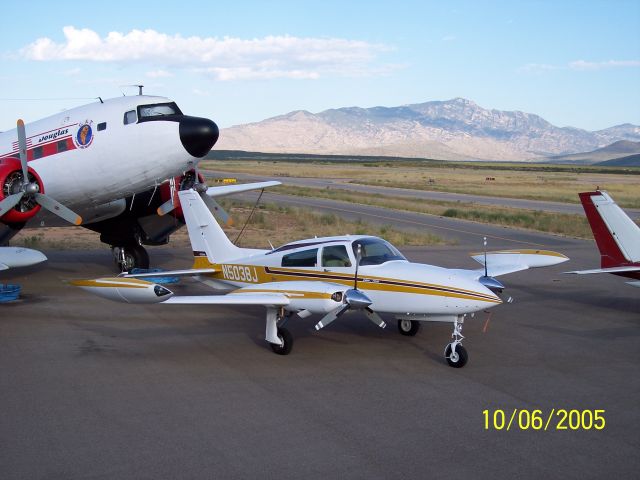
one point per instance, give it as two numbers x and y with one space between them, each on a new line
279 338
455 353
130 256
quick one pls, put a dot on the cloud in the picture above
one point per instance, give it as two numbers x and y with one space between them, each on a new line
579 65
584 65
159 74
448 38
225 58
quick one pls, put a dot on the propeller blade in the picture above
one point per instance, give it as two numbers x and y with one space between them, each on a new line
217 210
166 207
331 316
374 317
56 207
22 148
10 202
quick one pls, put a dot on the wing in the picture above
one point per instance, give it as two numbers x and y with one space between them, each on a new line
243 187
628 269
509 261
170 273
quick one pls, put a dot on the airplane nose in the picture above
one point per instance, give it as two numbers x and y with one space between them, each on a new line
198 135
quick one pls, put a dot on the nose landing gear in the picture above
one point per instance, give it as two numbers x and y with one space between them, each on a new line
454 352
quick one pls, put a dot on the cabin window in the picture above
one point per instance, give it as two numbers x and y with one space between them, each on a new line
62 146
376 251
335 256
37 152
102 126
130 117
305 258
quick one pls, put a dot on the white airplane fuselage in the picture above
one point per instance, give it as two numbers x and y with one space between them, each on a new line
110 160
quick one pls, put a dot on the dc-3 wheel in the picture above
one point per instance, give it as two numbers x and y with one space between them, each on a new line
408 327
135 256
287 342
459 358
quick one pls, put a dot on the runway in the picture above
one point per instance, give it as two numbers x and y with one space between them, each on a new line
96 389
418 195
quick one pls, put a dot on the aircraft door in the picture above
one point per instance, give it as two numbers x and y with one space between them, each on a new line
335 258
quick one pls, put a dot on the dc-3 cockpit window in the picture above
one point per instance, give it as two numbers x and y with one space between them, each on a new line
376 251
157 111
130 117
305 258
335 256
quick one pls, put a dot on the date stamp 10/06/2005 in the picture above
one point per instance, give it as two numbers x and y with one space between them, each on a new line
555 419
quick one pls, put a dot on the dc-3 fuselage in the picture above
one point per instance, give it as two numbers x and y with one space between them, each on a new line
327 276
105 151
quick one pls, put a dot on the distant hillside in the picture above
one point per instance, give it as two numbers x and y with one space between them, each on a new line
456 129
621 148
628 161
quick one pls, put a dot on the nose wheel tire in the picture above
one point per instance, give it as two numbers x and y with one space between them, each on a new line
287 342
408 327
457 359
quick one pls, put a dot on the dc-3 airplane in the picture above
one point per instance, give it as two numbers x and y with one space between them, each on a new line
617 237
113 166
328 276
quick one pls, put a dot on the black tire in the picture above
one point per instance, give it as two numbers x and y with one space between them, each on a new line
460 358
135 256
287 342
408 327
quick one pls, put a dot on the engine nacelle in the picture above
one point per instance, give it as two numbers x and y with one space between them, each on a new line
183 182
11 183
126 290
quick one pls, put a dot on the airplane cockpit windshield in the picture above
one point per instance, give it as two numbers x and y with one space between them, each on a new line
157 111
376 251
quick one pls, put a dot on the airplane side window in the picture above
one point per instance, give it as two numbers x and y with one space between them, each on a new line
306 258
130 117
335 256
37 152
62 146
102 126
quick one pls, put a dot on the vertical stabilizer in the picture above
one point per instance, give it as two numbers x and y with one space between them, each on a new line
207 237
617 236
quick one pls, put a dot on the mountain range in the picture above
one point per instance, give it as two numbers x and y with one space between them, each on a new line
456 129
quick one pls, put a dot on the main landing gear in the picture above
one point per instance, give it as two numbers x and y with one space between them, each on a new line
130 256
279 338
408 327
455 353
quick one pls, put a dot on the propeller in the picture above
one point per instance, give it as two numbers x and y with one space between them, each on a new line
30 189
489 282
201 188
353 299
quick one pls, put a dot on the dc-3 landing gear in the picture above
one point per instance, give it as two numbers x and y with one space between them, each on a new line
279 338
129 257
455 353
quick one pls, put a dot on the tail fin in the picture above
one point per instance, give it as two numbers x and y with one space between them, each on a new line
617 236
207 237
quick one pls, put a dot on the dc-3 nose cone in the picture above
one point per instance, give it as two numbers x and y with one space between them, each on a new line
198 135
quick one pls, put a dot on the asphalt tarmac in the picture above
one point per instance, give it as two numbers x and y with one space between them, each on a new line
95 389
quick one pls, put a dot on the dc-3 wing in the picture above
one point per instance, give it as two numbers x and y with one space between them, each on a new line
503 262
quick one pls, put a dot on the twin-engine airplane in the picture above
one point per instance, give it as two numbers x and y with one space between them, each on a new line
328 276
105 165
617 237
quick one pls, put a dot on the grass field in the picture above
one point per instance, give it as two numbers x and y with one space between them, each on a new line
269 223
529 181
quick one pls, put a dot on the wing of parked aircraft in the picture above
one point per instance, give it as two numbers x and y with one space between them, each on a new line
12 257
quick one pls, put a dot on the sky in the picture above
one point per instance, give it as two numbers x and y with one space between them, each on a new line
575 63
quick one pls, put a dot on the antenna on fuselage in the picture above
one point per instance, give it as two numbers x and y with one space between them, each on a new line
139 89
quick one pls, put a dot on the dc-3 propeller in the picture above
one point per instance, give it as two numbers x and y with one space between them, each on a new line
30 190
201 188
353 299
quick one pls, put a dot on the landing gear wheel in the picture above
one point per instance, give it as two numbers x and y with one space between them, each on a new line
287 342
130 257
457 359
408 327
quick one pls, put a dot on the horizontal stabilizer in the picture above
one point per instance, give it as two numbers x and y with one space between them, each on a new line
169 273
243 187
627 269
509 261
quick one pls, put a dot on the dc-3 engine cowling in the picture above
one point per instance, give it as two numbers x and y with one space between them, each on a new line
171 188
11 183
125 290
